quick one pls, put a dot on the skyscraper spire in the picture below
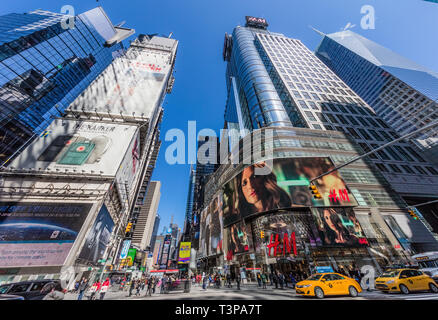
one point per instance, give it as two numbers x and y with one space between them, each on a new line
317 31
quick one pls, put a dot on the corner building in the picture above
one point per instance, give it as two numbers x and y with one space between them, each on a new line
276 84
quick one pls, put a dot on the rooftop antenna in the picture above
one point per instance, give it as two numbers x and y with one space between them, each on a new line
317 31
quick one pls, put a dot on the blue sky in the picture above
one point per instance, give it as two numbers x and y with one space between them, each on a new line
408 27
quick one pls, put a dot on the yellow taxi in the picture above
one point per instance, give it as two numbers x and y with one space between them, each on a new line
321 284
405 281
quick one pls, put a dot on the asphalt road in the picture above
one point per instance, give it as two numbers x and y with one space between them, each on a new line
252 292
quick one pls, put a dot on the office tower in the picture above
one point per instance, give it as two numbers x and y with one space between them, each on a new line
189 207
45 63
315 97
90 169
144 221
275 85
155 232
208 160
403 93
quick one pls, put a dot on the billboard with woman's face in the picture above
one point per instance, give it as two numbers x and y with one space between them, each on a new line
339 227
216 226
287 185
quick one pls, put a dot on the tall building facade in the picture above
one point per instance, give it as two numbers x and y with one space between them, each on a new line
403 93
143 223
278 87
46 60
93 163
155 232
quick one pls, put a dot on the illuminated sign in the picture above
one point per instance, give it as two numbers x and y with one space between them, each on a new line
341 196
284 247
256 22
184 252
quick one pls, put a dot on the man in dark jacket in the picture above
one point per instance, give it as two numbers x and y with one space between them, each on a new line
82 287
275 280
238 279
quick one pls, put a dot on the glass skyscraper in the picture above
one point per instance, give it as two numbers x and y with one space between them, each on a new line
45 63
275 80
401 92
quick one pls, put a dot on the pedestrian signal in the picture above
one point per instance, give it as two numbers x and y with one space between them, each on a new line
315 192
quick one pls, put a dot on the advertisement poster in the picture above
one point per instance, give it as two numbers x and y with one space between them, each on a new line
131 256
98 237
78 145
204 242
286 186
184 252
131 87
38 233
125 249
239 238
339 227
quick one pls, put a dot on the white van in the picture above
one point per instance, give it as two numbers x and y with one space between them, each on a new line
428 263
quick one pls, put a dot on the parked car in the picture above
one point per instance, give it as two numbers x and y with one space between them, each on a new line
29 290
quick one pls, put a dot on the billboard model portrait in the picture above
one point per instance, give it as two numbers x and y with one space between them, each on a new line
98 237
287 185
78 145
216 225
39 233
339 227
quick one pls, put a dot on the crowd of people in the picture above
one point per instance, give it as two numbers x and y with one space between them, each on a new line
137 286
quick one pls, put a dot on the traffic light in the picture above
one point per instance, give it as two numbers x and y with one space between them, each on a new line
262 235
128 227
413 214
315 192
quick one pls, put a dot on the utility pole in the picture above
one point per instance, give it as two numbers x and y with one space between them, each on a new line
430 126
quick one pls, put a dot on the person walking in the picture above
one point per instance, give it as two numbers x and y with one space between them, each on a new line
238 279
204 282
292 280
104 289
281 280
154 284
264 280
137 287
131 287
259 280
82 287
149 287
270 279
229 280
94 289
275 280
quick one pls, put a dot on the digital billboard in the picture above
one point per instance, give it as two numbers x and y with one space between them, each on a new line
211 228
339 227
239 238
184 252
287 185
78 145
98 237
39 233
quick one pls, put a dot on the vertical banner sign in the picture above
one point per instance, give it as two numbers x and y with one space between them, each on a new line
184 252
125 249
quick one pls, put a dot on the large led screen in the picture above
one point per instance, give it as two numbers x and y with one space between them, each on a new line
339 227
287 185
98 237
38 233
